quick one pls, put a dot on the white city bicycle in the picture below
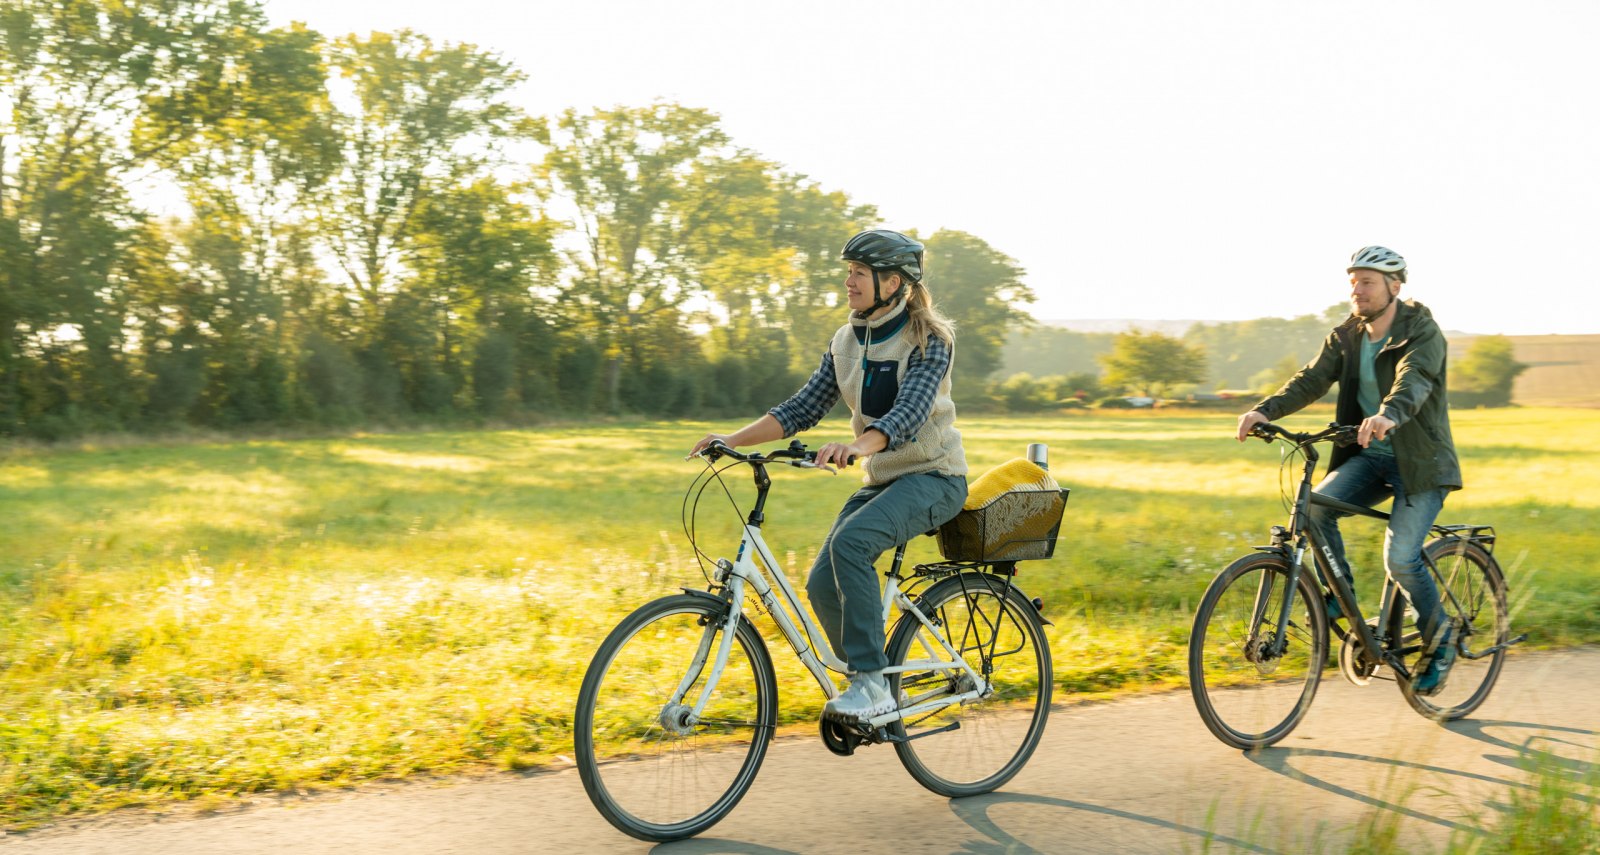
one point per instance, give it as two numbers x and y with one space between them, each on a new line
680 701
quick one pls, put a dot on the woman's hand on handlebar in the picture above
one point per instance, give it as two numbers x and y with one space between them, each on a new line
839 454
706 441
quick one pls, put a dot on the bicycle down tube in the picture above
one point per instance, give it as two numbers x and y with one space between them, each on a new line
815 652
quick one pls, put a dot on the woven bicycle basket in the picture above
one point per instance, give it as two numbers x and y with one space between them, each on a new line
1012 513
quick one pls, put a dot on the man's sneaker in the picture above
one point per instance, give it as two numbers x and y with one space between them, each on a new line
867 696
1433 675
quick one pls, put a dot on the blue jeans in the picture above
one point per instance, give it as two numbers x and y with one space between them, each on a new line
843 585
1368 479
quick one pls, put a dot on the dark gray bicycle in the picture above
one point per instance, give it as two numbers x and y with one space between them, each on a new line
1261 634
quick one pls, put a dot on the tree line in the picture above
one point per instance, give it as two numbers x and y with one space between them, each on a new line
373 230
1238 359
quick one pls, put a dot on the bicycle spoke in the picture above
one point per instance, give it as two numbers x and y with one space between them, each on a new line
652 768
1473 595
1251 678
998 636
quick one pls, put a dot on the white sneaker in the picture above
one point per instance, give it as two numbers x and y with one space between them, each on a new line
867 696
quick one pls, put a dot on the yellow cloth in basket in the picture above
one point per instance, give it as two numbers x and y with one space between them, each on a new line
1016 474
1011 514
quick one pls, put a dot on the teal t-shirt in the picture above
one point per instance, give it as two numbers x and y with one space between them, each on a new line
1368 394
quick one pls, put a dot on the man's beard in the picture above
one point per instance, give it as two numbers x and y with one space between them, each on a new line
1370 317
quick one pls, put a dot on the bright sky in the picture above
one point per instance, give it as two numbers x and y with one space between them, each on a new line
1140 159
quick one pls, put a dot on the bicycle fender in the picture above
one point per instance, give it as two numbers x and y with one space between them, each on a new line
723 606
707 595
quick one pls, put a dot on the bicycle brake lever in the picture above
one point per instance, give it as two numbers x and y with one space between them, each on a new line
808 464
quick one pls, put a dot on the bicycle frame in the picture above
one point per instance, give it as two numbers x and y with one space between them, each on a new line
1335 579
750 568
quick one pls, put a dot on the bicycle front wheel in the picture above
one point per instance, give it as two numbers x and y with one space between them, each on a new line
651 767
1253 678
1474 597
976 746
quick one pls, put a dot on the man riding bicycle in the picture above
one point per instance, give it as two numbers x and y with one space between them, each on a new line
1389 360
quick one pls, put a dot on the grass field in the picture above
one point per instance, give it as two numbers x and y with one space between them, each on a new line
195 620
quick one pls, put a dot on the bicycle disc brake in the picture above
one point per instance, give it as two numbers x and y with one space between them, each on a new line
1258 651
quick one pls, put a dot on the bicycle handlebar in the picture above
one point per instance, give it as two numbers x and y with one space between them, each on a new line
1335 433
795 455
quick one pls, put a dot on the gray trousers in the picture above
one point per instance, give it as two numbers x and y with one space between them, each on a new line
843 585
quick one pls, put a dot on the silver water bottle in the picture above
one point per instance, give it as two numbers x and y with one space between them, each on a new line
1039 455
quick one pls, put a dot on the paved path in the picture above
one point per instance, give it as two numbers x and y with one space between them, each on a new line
1141 775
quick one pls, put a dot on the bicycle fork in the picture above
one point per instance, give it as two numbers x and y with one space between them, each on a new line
677 717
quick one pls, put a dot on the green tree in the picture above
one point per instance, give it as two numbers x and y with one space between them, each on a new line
1485 375
814 225
645 185
1268 380
421 118
1238 351
1152 362
78 77
981 289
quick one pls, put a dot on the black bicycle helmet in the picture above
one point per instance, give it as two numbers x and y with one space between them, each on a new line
886 251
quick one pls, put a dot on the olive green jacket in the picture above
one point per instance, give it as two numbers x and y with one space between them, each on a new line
1412 367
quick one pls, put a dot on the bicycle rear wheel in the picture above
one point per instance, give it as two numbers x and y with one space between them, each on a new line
650 768
1474 597
1248 695
999 633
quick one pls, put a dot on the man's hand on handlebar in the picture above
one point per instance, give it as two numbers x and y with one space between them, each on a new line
1249 421
1373 427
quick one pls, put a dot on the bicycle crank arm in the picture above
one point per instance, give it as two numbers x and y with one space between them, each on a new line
1495 649
954 725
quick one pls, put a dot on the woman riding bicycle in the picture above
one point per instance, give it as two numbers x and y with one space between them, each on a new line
891 366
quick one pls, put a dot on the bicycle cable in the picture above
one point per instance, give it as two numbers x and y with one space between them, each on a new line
1287 483
690 525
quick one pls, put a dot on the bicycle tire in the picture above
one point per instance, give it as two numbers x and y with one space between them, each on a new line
1479 609
641 763
1000 633
1244 700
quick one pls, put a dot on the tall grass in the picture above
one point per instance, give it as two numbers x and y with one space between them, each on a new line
181 620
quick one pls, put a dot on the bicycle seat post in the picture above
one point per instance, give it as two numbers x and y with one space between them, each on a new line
899 558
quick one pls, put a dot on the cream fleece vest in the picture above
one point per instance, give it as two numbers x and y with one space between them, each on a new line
870 361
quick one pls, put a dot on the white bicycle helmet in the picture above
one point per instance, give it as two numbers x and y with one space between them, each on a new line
1379 258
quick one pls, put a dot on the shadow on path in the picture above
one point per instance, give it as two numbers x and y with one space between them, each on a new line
1281 760
716 846
974 811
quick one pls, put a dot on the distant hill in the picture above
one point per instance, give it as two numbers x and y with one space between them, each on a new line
1116 325
1564 370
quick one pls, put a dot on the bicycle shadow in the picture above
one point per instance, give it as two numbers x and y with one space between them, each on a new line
1526 757
1281 761
974 811
716 846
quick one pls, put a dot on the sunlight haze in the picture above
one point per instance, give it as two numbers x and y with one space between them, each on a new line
1140 160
